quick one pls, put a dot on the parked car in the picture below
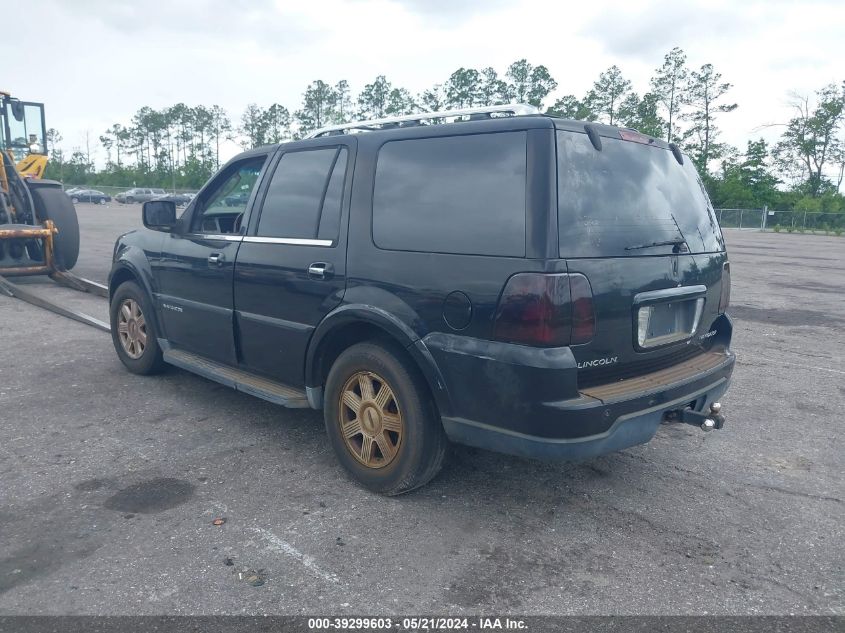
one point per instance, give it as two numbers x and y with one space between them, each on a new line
527 284
88 195
139 194
238 199
180 199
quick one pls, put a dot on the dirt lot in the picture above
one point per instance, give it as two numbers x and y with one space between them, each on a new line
109 483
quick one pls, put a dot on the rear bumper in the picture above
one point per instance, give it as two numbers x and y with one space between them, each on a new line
525 401
627 430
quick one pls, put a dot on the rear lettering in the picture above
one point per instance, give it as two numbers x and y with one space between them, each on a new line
598 362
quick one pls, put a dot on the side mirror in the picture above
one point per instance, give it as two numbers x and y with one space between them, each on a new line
159 215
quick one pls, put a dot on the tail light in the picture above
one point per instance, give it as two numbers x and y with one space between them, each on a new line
546 310
633 135
725 298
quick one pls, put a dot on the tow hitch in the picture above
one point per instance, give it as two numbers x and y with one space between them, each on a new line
706 420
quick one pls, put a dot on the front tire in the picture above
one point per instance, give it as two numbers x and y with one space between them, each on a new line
102 201
381 420
133 331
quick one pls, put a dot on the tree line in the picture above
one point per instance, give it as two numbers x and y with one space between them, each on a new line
179 146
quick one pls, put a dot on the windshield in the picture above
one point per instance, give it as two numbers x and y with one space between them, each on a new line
630 199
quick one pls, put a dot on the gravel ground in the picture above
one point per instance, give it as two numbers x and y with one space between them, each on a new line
110 482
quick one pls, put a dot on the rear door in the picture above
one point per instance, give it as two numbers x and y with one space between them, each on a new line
639 225
291 268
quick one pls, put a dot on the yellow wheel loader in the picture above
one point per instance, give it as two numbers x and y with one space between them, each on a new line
39 230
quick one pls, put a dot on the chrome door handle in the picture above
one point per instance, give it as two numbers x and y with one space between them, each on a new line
216 259
319 270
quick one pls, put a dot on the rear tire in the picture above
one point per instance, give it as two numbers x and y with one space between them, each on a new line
75 200
133 330
51 203
389 441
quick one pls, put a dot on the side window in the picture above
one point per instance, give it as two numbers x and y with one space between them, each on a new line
329 222
223 204
304 196
453 194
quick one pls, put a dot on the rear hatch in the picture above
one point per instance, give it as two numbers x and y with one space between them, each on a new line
635 220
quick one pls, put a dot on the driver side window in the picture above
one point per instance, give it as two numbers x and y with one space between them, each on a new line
222 206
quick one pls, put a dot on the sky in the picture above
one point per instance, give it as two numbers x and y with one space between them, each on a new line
95 62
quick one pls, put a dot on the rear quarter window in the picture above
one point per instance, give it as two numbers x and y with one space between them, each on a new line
454 194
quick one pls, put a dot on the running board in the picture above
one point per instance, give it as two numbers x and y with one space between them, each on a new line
238 379
12 290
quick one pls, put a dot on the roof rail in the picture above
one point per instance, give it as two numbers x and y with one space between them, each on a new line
515 109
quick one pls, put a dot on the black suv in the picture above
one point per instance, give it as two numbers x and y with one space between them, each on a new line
517 282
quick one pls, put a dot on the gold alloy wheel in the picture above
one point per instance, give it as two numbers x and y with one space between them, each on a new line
370 419
132 328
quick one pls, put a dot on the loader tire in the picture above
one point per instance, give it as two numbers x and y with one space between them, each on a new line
51 203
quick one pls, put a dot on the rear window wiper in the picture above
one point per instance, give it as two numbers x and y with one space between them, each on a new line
676 242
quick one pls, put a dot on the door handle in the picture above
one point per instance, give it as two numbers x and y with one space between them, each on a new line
216 259
320 270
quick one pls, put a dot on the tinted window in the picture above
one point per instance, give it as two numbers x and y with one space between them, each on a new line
330 217
629 195
456 194
302 200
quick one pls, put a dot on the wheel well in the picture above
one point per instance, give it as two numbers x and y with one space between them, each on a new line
120 276
344 337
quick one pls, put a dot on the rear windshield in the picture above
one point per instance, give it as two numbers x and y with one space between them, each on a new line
630 199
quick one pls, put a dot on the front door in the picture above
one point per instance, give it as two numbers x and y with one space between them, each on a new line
291 266
194 273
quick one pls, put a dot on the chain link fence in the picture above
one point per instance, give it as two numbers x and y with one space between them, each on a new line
786 221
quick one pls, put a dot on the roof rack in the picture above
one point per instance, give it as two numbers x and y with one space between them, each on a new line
515 109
